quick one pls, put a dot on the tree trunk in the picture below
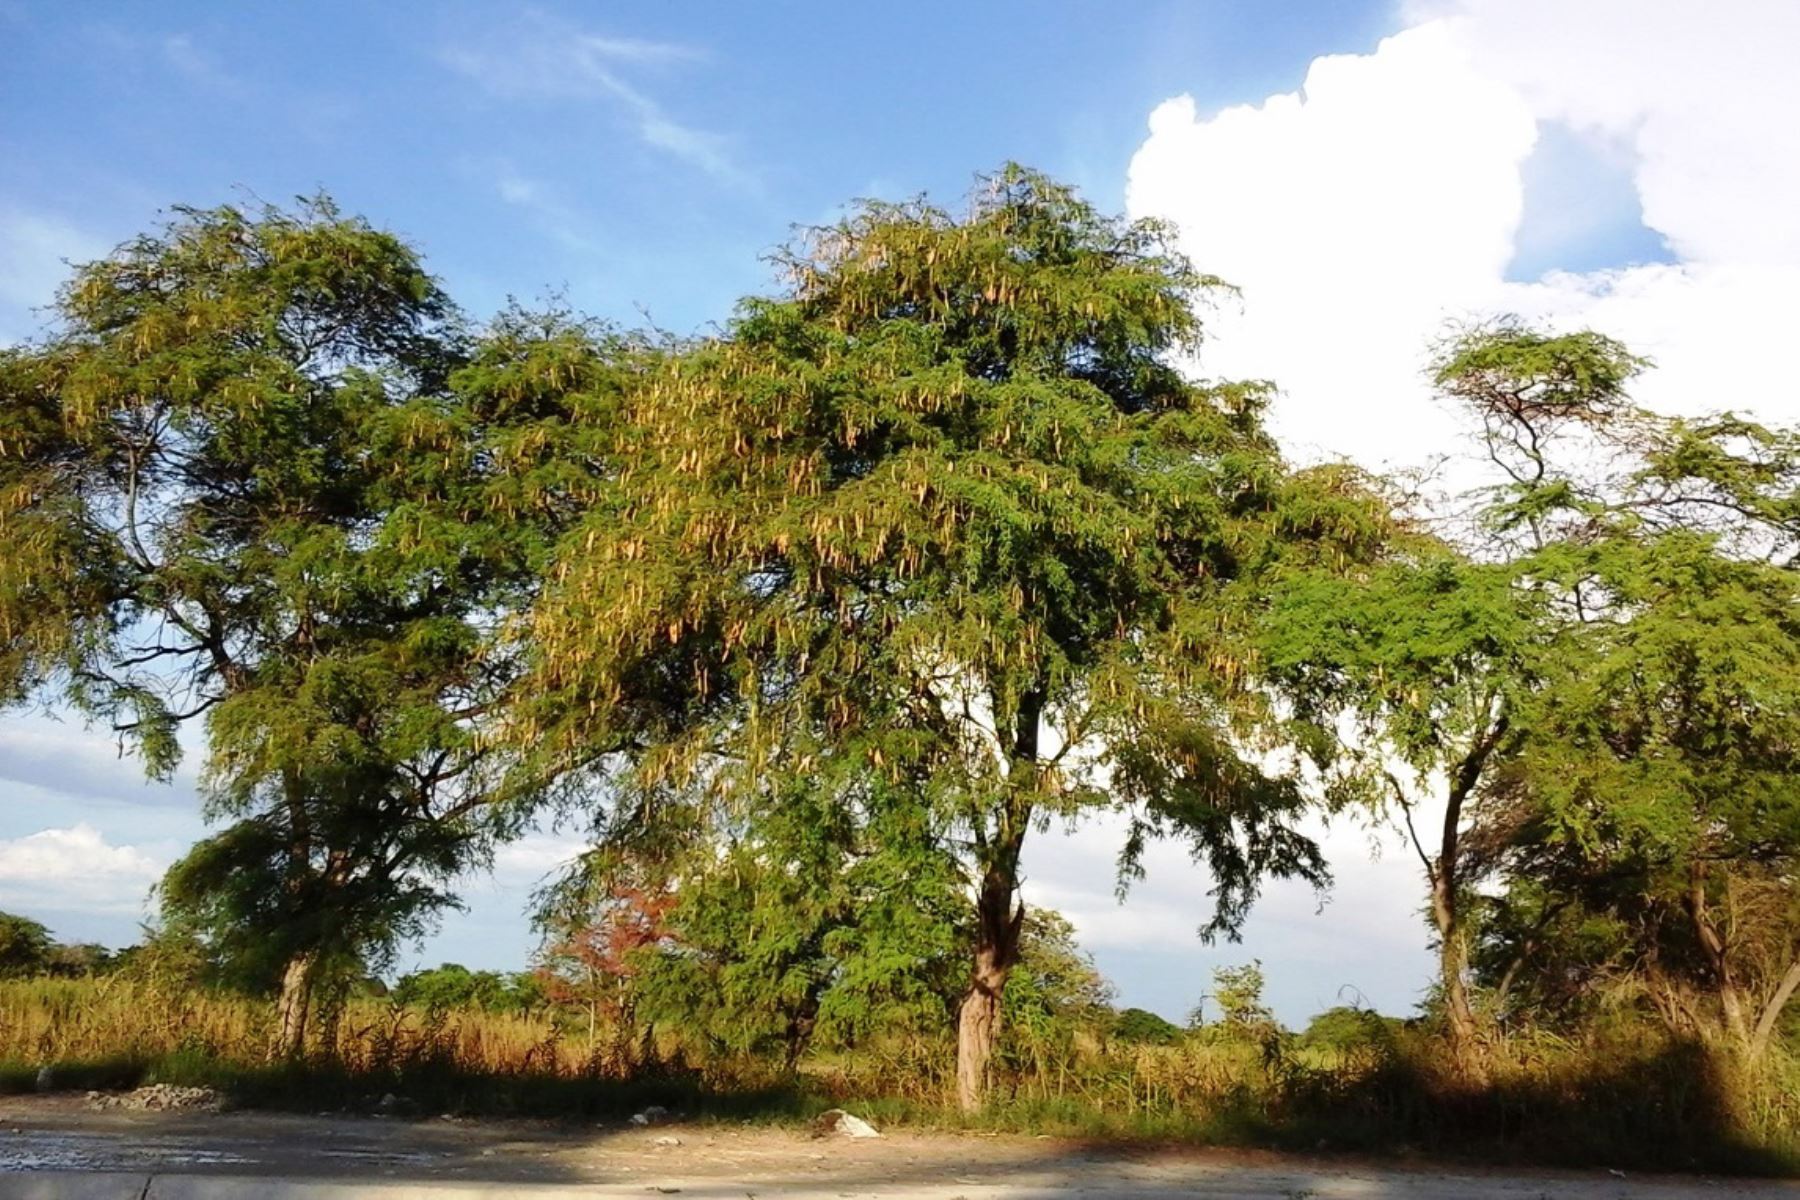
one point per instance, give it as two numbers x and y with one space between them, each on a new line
294 1006
1453 951
1000 916
1731 1003
1446 903
1771 1013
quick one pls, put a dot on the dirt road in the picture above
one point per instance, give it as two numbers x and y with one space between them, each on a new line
56 1146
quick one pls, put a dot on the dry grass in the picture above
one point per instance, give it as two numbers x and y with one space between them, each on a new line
1628 1097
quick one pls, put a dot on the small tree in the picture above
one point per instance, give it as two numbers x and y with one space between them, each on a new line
591 957
25 947
1430 657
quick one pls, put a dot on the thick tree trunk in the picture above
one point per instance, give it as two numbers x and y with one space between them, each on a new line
1000 916
294 1007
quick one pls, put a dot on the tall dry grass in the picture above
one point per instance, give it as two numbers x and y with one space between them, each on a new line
1625 1096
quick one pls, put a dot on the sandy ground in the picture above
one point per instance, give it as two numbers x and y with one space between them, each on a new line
56 1145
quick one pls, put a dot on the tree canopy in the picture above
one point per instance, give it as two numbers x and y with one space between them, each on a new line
948 512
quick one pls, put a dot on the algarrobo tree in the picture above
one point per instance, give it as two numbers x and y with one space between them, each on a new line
945 512
1431 657
1428 659
1663 766
234 483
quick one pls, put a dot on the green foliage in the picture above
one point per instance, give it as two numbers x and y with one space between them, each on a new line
1142 1027
1347 1028
262 474
1237 993
1055 982
946 515
834 914
454 986
25 947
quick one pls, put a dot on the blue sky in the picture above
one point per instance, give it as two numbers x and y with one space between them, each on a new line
1364 171
638 155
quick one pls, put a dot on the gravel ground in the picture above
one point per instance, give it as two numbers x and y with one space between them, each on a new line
59 1145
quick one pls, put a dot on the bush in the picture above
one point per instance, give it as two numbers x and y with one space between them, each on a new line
1144 1028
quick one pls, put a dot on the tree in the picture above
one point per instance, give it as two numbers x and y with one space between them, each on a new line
236 483
946 512
1143 1027
1238 995
1428 659
25 947
452 987
1663 767
1344 1028
1430 656
831 910
592 958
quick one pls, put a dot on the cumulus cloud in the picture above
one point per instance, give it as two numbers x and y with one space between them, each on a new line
1383 198
75 870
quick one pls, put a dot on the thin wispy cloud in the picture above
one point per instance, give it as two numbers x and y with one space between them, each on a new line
549 60
546 206
180 54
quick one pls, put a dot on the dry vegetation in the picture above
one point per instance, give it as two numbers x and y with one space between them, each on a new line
1628 1097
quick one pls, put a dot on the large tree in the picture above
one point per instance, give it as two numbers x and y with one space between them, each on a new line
1429 658
236 482
947 511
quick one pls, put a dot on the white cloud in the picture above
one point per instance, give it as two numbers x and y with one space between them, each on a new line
547 207
1385 197
1361 213
35 252
83 763
74 870
547 59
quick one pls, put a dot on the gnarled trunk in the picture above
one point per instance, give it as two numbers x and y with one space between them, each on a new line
1718 960
1453 964
1000 916
294 1006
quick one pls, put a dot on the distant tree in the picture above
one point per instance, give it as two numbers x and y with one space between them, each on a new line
1237 993
591 957
25 947
1143 1027
80 960
1346 1027
948 512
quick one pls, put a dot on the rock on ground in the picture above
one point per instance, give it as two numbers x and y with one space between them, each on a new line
838 1121
160 1097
